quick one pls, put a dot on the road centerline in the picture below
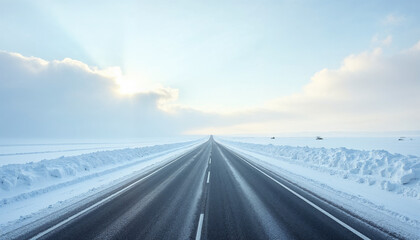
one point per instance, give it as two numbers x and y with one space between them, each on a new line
200 226
208 177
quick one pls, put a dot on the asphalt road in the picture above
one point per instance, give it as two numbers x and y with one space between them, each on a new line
210 193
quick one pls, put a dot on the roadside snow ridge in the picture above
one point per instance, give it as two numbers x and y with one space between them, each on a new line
22 179
393 172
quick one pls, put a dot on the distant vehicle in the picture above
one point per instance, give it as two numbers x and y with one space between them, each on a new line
401 139
272 138
319 138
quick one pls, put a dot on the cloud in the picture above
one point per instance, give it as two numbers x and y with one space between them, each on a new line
369 92
393 19
382 42
68 98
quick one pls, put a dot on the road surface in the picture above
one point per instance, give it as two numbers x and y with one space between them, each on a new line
209 193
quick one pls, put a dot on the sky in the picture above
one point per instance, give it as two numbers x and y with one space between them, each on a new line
149 68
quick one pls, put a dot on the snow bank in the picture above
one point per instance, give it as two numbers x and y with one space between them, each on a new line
24 180
20 151
392 172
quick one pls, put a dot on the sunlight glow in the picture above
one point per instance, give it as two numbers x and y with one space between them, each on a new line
129 84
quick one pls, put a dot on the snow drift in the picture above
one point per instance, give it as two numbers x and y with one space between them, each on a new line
20 180
391 172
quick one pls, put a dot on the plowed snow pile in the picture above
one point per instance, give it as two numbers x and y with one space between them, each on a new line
391 172
21 181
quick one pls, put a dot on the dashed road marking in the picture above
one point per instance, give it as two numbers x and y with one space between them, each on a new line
208 177
200 226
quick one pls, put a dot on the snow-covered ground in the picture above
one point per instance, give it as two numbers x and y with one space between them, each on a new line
32 189
14 151
407 146
380 186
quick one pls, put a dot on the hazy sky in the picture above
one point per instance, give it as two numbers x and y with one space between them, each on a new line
169 67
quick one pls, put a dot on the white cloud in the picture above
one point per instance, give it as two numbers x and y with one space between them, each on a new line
393 19
415 48
369 92
382 41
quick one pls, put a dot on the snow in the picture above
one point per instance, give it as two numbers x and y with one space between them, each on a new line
13 151
380 186
407 146
31 190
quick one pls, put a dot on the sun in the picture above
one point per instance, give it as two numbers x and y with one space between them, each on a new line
128 87
127 84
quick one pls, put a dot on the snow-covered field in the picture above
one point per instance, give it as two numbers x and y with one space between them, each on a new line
14 151
374 179
33 187
408 146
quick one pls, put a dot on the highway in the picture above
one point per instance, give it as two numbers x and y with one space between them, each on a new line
210 192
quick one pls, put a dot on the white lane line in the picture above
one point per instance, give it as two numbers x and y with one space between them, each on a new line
208 177
210 161
200 226
99 203
359 234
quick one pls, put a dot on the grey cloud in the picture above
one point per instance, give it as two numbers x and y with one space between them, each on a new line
69 99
